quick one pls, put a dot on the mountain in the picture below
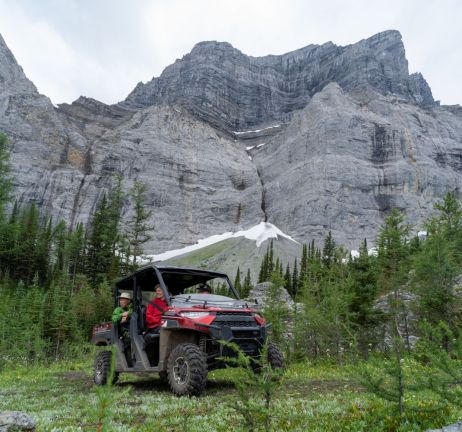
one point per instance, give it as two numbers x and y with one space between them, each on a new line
235 91
322 138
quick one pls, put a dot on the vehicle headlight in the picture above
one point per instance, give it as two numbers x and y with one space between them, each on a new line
194 314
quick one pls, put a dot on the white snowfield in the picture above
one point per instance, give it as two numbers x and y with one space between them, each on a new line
261 232
256 130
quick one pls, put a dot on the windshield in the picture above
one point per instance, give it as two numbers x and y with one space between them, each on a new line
197 283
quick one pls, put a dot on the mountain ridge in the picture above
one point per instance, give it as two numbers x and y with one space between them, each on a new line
228 145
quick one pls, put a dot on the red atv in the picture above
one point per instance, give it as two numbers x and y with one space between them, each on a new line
203 310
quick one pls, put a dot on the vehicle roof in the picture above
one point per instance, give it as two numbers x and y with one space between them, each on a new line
172 269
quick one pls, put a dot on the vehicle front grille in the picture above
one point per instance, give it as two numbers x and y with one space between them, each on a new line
235 323
245 334
233 313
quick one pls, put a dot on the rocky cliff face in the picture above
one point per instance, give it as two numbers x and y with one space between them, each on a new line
346 160
236 92
322 138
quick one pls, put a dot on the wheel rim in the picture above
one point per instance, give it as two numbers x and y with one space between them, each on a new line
180 371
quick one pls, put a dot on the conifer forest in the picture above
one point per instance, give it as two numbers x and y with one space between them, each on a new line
371 340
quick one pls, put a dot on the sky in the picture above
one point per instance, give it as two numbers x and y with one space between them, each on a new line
103 48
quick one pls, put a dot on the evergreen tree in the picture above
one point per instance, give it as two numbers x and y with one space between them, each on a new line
99 248
303 268
450 219
363 293
266 265
26 247
393 260
288 281
275 311
5 181
436 266
76 252
44 249
139 230
237 281
312 256
295 280
247 285
276 265
270 260
328 251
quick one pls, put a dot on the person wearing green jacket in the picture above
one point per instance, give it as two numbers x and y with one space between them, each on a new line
121 318
122 313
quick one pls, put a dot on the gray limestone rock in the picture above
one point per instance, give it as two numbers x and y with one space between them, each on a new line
17 421
341 135
347 159
260 293
456 427
234 91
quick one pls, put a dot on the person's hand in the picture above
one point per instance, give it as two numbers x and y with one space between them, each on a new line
125 314
124 319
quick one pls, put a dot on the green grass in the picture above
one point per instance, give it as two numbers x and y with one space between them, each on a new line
62 397
196 257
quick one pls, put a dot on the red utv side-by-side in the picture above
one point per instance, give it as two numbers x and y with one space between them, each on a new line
203 310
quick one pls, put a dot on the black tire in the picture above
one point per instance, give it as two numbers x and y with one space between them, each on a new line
275 358
187 370
102 368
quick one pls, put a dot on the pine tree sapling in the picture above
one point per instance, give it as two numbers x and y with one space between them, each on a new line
256 388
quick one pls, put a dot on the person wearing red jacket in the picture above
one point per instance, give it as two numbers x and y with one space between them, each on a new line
155 310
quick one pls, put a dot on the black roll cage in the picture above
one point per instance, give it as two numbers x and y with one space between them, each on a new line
134 280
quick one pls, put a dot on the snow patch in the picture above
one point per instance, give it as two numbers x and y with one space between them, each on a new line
354 254
371 252
256 130
249 148
422 235
261 232
250 157
260 145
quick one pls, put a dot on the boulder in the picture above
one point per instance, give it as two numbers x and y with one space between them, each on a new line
456 427
15 420
407 319
260 291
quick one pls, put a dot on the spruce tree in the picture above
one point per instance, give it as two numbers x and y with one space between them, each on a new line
139 230
5 180
270 267
99 248
302 278
288 281
247 285
295 280
436 267
26 258
328 251
393 260
363 293
264 273
237 281
450 218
